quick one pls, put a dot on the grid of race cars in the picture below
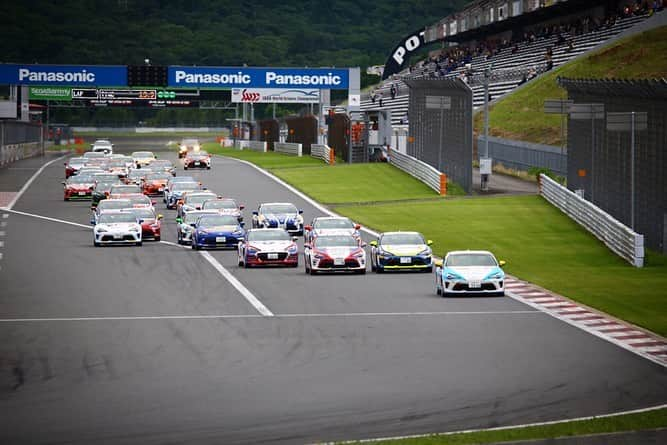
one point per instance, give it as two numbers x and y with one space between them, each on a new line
123 191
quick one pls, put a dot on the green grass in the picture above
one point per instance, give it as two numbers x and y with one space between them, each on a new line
540 245
520 115
339 183
629 422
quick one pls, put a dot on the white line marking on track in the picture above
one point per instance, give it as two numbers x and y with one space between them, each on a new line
510 427
238 285
224 316
32 178
48 218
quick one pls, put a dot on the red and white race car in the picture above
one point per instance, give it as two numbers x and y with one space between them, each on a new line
197 159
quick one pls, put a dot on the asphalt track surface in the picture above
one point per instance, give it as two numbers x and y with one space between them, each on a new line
153 345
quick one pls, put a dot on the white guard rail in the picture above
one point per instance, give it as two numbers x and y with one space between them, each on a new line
420 170
14 152
250 145
323 152
618 237
289 148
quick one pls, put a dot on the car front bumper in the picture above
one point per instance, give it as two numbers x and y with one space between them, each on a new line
117 237
262 258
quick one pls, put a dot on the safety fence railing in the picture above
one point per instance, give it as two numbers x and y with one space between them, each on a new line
250 145
19 140
323 152
420 170
290 148
621 239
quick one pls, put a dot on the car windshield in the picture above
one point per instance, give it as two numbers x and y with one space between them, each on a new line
471 260
117 163
397 239
334 223
217 220
190 142
113 204
158 177
199 155
125 189
144 213
192 217
105 177
278 208
162 163
93 154
104 186
335 241
77 161
142 154
140 199
197 199
219 204
268 235
80 179
110 218
186 186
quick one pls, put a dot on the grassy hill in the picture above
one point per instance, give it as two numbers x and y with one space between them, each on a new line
520 115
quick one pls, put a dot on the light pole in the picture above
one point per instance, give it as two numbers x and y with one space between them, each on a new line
592 112
631 121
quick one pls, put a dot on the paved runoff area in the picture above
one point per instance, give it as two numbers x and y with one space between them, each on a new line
162 344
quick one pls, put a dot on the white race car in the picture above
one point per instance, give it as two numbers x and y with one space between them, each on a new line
334 252
266 247
464 272
117 228
330 225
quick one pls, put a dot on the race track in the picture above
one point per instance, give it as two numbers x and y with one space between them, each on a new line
154 344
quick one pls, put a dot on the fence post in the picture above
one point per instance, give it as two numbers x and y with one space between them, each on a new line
332 157
443 184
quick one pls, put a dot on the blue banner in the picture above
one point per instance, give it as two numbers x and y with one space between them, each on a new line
230 77
65 75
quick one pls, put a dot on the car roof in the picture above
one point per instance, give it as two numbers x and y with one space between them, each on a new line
276 203
402 231
461 252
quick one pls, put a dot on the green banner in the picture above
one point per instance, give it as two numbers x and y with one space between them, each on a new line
51 93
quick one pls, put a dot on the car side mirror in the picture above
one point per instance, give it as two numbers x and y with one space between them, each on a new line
204 188
309 227
429 242
242 224
254 213
63 182
438 263
306 246
193 225
295 238
241 207
357 226
140 221
92 221
153 201
501 263
65 164
160 217
179 220
91 188
373 243
300 212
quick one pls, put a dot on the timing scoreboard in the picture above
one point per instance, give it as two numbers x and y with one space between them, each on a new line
105 97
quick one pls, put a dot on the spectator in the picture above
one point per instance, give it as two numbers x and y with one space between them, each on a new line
393 91
380 99
373 95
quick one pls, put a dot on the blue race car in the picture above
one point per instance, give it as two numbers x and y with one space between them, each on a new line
278 215
176 192
466 272
211 231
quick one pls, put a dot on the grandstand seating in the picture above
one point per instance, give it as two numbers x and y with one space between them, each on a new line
508 68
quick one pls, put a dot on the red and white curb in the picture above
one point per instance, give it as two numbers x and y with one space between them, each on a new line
6 198
646 344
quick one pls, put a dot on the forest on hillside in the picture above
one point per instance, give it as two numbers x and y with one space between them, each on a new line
296 33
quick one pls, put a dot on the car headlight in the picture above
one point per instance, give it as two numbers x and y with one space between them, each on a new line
453 276
385 253
426 252
495 276
237 233
291 249
203 232
134 229
101 230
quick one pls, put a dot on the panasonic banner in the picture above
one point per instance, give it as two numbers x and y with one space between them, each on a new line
63 75
275 95
285 78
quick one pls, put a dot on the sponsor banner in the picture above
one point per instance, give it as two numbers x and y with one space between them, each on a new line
227 78
72 75
400 56
275 95
50 93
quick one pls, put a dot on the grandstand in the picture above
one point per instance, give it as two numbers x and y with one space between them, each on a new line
509 65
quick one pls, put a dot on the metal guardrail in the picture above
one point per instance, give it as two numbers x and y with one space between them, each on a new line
420 170
323 152
14 152
290 148
618 237
250 145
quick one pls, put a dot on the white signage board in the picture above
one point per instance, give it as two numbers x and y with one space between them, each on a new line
275 95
